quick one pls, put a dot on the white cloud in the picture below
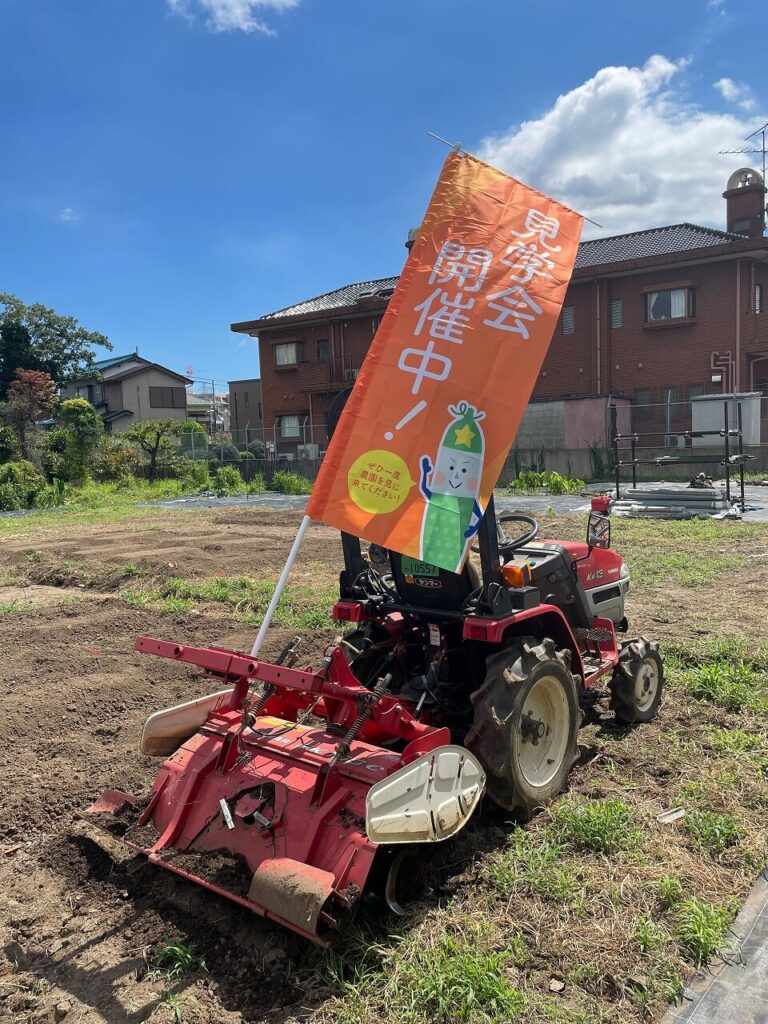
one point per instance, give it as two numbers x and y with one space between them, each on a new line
626 149
232 15
67 216
733 92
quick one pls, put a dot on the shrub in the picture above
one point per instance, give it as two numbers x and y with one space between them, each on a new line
85 430
247 455
9 444
193 476
256 484
291 483
20 483
554 483
257 449
55 453
224 451
117 459
227 480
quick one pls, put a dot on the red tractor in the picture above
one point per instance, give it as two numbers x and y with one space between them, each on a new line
281 790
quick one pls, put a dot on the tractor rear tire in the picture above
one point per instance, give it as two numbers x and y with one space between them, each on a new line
526 724
638 682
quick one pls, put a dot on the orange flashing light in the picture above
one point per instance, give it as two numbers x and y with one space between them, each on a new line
516 574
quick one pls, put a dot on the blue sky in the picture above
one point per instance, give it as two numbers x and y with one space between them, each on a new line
170 166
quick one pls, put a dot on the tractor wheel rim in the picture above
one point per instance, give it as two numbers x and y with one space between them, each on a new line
547 703
646 684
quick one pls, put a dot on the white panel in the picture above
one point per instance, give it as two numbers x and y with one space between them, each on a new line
428 800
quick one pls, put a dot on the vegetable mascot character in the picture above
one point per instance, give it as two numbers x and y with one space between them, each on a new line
450 488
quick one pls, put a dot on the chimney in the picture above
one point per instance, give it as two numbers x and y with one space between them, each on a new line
745 203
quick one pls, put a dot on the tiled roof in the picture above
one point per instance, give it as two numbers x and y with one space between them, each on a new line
349 295
595 252
639 245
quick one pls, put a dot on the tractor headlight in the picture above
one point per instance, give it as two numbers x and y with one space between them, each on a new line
624 572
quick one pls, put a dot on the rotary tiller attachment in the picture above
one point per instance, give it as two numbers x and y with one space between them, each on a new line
279 800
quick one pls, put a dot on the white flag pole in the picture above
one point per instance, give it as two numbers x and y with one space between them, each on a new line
280 586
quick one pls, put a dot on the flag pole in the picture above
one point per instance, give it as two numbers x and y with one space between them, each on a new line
280 587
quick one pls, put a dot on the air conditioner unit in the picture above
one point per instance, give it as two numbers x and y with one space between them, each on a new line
351 374
308 451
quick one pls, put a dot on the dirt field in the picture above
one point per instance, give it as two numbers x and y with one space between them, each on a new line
77 938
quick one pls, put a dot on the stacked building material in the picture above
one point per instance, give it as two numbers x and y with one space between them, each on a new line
670 501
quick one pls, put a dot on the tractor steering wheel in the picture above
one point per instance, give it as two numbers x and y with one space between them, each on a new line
509 545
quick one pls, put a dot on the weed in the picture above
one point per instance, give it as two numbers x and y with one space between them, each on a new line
602 826
176 1002
14 607
734 741
175 959
713 832
650 936
453 979
670 891
534 859
701 928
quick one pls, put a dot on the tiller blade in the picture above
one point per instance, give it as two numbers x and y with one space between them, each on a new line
279 800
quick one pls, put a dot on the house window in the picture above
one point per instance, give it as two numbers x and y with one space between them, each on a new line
323 349
758 298
617 313
569 320
289 426
672 304
245 399
287 354
167 398
641 403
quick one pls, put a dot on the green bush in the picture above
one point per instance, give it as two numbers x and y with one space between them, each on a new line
193 476
257 449
20 483
117 459
555 483
291 483
247 455
256 484
227 480
224 451
55 453
9 444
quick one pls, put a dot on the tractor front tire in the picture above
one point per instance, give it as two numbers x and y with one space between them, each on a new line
526 724
638 682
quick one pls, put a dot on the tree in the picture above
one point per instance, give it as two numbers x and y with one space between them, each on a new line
37 338
157 438
31 397
9 444
85 429
194 441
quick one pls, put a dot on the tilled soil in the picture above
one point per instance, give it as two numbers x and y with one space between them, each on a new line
74 695
77 933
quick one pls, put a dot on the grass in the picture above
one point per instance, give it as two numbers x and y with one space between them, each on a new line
174 959
713 832
535 860
176 1002
14 607
601 826
302 606
701 929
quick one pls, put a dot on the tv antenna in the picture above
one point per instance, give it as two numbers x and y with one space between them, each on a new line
751 149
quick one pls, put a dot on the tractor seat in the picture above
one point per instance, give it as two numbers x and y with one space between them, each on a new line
423 586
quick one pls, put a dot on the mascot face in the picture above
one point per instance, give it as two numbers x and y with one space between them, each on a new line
457 473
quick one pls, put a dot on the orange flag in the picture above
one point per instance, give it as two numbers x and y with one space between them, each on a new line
439 398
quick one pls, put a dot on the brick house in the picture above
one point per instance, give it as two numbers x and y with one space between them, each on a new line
657 317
